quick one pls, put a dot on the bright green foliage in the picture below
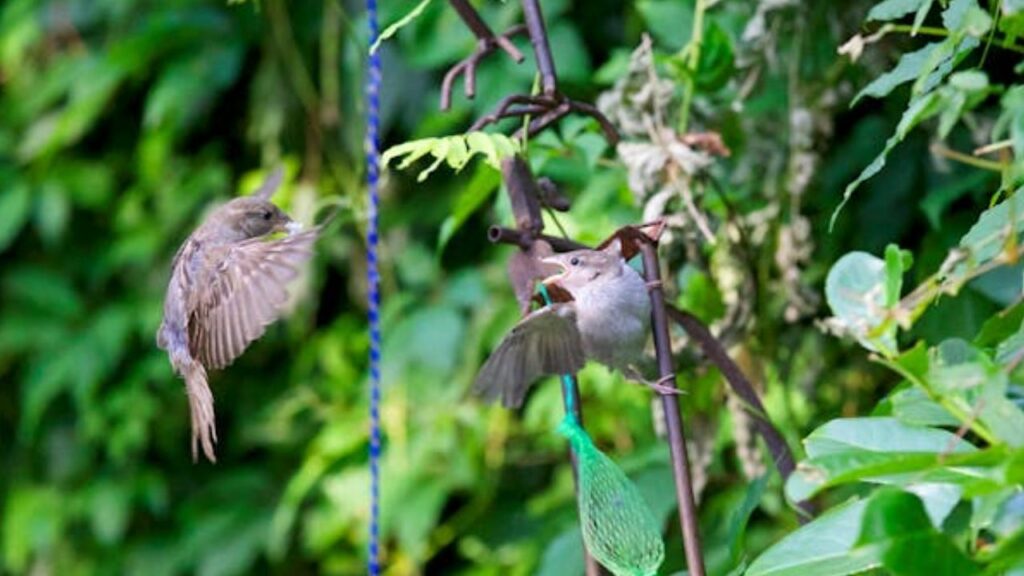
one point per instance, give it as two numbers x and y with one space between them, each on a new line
122 120
455 151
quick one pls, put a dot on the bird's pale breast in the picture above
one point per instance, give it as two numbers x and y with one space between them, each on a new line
613 318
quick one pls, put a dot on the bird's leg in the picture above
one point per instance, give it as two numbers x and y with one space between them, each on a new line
486 43
660 385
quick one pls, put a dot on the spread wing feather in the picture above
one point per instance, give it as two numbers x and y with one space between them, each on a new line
545 342
246 295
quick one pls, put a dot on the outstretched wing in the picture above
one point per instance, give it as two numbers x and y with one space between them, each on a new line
245 295
544 342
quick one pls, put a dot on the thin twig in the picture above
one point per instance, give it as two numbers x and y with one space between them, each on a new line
943 150
993 147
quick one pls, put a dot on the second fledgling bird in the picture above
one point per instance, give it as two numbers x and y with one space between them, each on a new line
227 285
607 321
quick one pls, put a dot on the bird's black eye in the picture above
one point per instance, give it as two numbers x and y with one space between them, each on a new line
267 215
575 261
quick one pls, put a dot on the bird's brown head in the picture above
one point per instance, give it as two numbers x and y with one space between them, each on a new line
253 217
584 267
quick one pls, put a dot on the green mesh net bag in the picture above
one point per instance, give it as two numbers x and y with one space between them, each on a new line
619 529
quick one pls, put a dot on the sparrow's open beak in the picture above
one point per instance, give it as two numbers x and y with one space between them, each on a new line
293 226
555 260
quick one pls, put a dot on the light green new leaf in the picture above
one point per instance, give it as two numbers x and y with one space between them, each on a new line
399 24
896 263
456 151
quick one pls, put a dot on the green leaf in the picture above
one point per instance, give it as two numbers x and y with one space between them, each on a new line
469 200
966 17
941 197
402 22
969 80
33 520
823 547
670 21
921 108
895 521
1000 327
919 17
893 9
856 292
93 88
14 208
913 406
848 435
563 555
52 212
905 70
877 449
897 262
928 66
717 58
741 517
997 228
968 381
455 151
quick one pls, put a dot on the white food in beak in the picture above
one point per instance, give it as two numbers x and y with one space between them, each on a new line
293 227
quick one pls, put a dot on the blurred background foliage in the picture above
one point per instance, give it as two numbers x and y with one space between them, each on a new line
120 121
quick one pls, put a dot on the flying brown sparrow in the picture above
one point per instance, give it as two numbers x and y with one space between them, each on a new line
227 285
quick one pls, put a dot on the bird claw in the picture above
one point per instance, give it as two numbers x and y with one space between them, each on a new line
663 389
546 109
659 385
467 66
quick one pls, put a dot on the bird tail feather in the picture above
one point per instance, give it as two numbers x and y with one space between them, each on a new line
200 402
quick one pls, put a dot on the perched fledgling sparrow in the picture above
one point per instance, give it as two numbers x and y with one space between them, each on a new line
607 321
227 285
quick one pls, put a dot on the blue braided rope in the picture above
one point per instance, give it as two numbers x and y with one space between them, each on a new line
373 282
